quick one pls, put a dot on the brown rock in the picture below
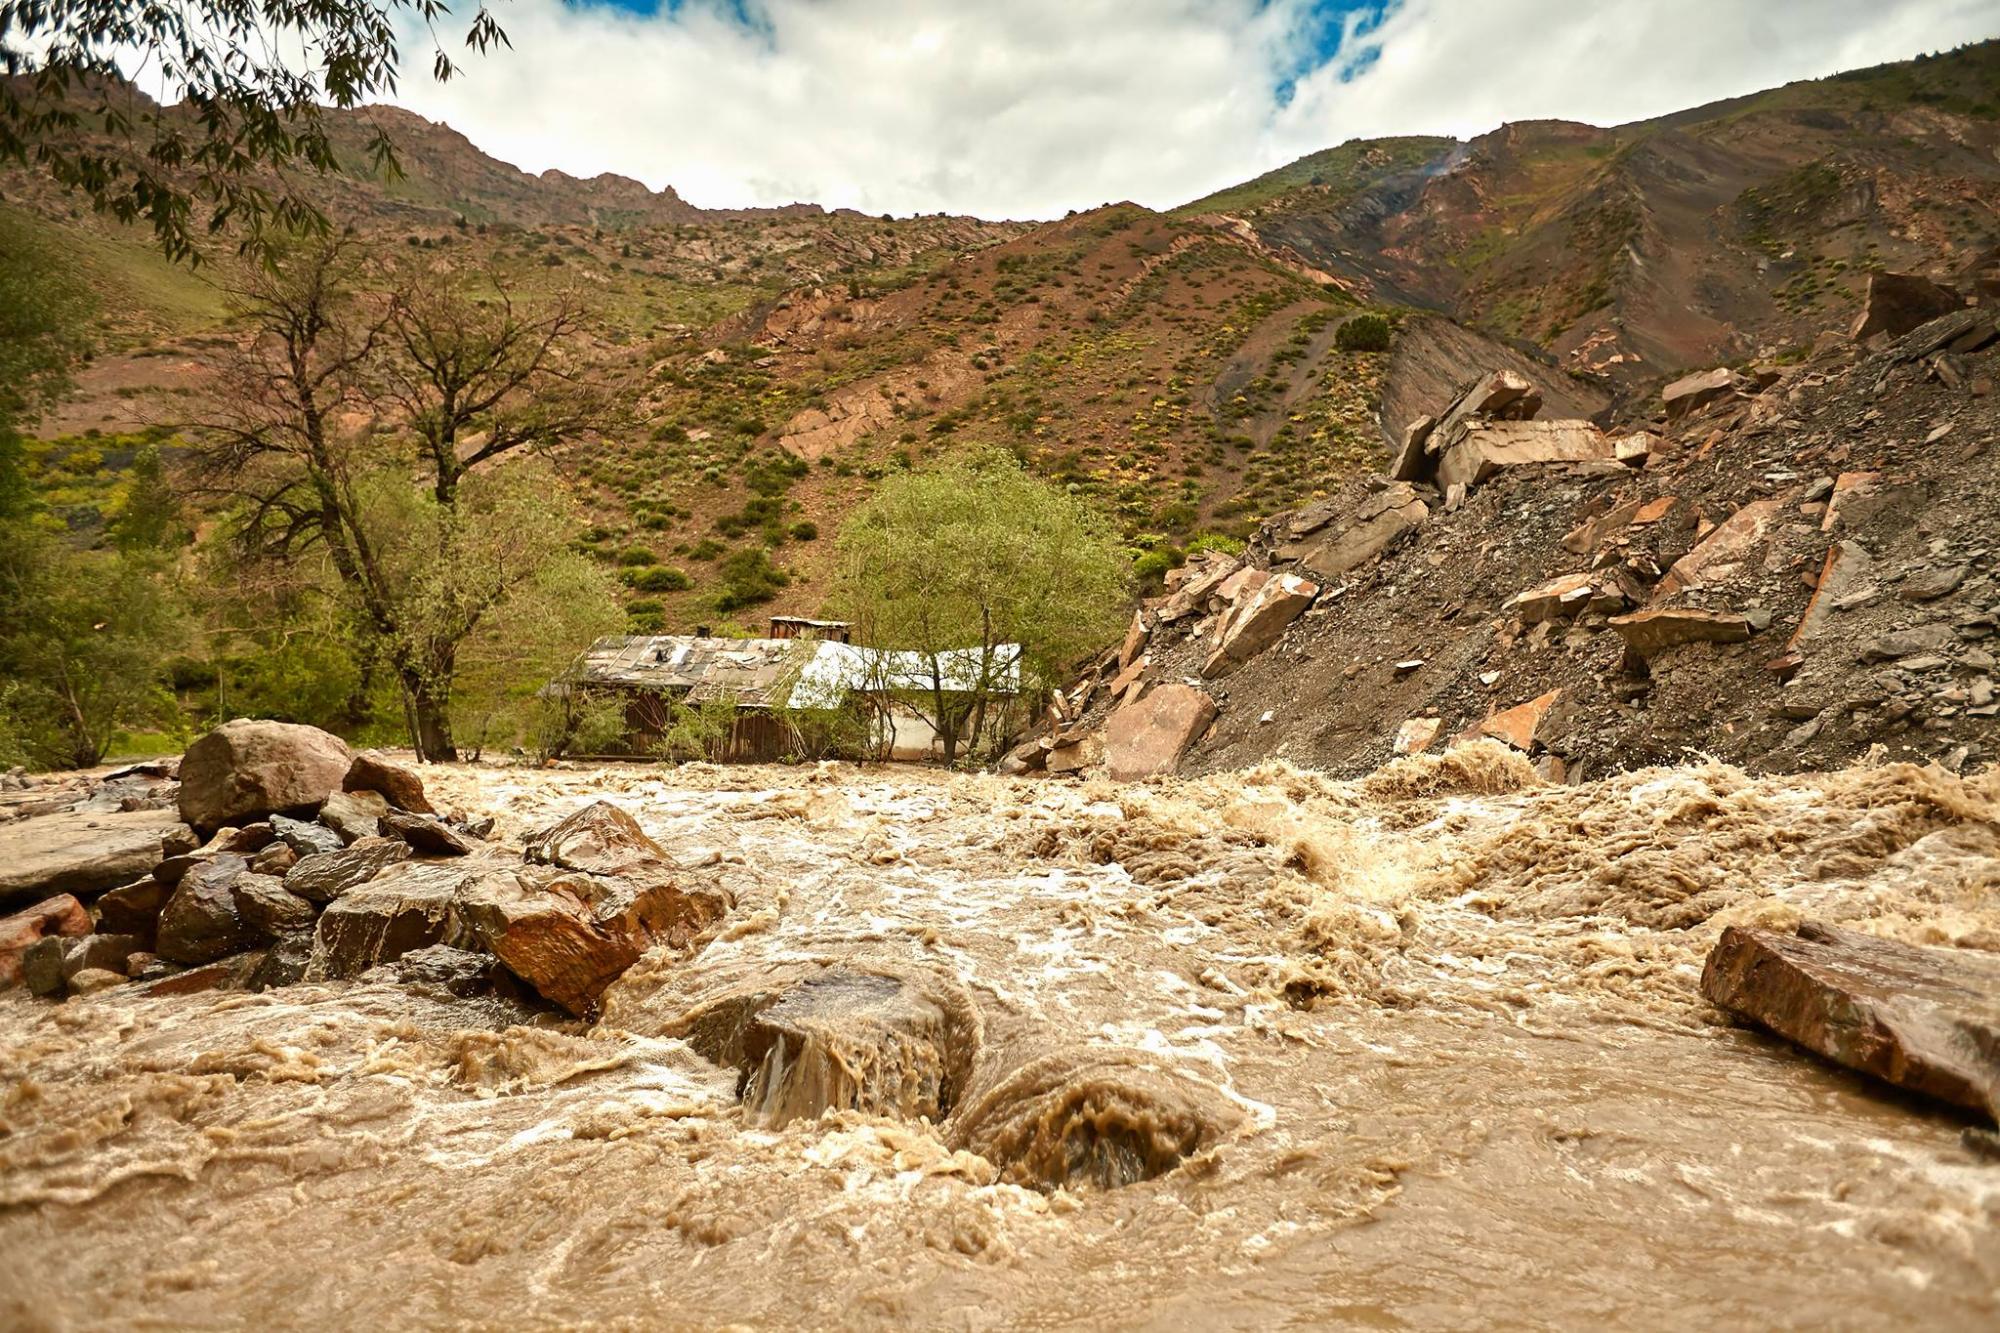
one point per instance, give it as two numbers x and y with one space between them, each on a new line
1411 462
1561 597
403 788
1924 1019
355 815
1848 488
265 905
1592 533
1135 641
1896 303
1717 557
1354 539
79 852
274 860
245 768
409 907
91 980
427 837
571 935
1691 393
1079 754
324 876
1146 738
61 915
600 838
1486 447
133 909
1200 580
229 974
199 924
1257 619
1520 726
1635 449
1500 396
1649 632
1416 734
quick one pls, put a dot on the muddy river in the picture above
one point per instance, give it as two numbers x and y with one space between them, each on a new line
1420 1051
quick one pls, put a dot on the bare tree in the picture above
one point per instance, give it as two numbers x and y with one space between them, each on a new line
310 465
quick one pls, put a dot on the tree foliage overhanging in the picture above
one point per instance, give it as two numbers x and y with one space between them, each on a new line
250 76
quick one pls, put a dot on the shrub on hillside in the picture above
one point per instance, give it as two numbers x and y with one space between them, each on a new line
1363 333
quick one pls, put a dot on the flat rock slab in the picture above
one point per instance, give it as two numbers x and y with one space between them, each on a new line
1924 1019
79 852
1145 739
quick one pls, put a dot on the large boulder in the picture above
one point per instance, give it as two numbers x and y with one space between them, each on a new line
600 838
1691 393
1256 618
324 876
1924 1019
410 907
200 923
1349 539
1146 738
80 852
403 788
1896 303
1485 447
1500 396
244 769
1720 556
570 935
61 915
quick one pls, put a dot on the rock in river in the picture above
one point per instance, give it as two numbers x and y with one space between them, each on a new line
1922 1018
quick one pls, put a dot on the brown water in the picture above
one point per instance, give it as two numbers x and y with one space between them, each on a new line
1251 1051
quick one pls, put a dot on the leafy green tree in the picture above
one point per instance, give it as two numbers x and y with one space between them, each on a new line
252 77
83 634
434 544
961 564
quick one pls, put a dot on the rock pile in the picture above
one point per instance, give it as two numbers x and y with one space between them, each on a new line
1782 565
302 861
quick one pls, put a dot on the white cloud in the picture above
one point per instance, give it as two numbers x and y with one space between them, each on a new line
1028 108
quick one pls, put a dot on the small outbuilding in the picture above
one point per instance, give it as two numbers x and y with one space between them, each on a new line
802 692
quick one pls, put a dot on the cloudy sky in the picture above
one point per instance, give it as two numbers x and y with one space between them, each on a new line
1029 108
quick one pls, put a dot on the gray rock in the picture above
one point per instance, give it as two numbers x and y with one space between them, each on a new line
42 968
426 836
1929 584
284 963
78 852
324 877
304 838
354 815
1933 638
441 967
199 924
267 906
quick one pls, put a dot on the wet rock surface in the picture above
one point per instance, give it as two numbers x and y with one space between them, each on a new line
1923 1019
247 768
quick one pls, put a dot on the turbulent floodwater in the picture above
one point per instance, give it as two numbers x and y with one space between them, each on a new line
1424 1050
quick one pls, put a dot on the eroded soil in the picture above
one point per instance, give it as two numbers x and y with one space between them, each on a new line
1424 1049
